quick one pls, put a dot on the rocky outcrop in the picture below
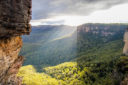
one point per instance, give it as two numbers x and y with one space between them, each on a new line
125 49
124 60
15 16
9 50
102 29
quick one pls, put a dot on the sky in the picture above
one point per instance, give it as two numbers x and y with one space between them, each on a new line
77 12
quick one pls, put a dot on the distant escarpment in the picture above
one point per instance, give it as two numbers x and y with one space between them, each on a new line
14 22
102 29
97 34
105 36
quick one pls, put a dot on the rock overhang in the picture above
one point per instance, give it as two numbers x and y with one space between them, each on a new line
15 16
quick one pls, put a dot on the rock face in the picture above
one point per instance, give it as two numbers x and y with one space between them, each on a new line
125 50
9 50
124 59
101 29
15 16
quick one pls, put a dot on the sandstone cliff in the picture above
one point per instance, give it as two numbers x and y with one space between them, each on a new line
15 16
124 60
125 50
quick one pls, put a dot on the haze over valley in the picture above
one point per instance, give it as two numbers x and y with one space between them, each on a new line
60 51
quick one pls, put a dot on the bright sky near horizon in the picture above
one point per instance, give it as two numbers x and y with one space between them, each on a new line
114 14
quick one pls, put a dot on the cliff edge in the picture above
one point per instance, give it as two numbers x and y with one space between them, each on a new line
15 16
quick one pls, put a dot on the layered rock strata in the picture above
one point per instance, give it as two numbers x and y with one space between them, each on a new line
15 16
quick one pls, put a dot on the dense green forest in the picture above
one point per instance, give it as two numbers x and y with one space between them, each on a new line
49 45
87 55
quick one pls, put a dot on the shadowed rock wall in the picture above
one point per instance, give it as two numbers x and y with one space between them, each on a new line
15 16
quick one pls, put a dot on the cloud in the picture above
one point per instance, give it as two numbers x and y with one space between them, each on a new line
116 14
43 9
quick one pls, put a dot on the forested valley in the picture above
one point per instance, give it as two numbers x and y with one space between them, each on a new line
63 55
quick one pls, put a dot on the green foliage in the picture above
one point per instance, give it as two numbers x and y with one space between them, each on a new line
91 60
68 72
123 65
51 45
31 77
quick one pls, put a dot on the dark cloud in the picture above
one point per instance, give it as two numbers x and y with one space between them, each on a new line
49 8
